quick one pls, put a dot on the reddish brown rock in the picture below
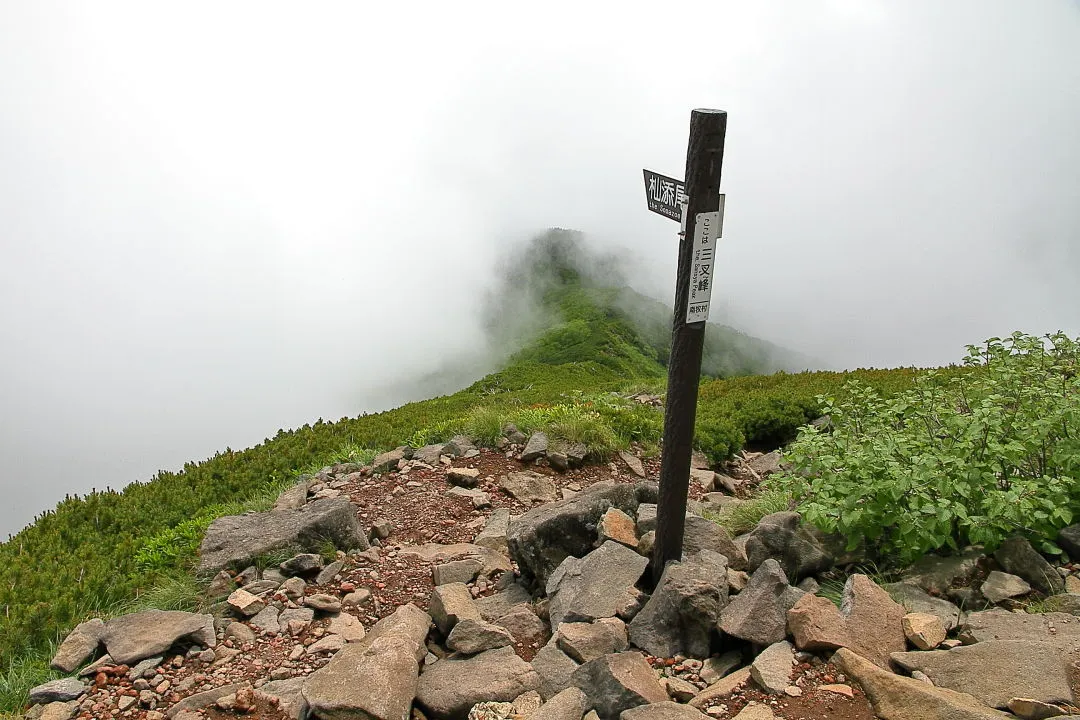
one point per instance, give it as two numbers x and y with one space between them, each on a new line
870 622
618 526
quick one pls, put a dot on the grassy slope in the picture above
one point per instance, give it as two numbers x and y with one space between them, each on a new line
78 560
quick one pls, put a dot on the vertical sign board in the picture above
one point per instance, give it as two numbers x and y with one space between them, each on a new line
708 227
664 195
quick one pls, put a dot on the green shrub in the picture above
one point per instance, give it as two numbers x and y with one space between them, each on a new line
959 458
739 518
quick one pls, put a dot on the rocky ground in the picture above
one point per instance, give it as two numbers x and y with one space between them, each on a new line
509 583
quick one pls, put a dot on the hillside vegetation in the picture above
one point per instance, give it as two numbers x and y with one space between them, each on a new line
576 345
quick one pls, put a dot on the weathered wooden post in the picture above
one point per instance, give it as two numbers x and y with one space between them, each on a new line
702 216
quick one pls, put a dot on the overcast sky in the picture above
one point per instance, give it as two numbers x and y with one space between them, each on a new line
218 219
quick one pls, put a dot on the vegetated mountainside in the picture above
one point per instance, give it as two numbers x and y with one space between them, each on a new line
572 342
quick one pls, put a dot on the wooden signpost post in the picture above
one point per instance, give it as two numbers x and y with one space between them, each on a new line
700 209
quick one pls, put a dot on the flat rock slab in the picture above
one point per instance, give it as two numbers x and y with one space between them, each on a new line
471 637
996 671
587 641
491 561
545 536
61 690
529 487
1000 586
376 682
408 622
596 586
618 682
133 637
236 540
771 670
895 697
1058 629
493 607
869 622
450 687
666 710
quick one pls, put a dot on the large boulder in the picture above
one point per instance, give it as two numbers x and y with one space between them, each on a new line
450 687
596 586
869 622
545 536
554 668
1016 556
759 613
996 671
131 638
683 611
1069 540
79 646
781 536
895 697
376 681
1057 629
236 540
618 682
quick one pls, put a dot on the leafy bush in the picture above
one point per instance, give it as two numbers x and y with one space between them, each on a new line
959 458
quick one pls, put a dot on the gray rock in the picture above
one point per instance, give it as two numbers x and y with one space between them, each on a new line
61 690
451 604
596 586
429 454
666 710
524 625
1000 586
1069 541
766 464
618 682
321 602
583 642
916 600
493 536
633 463
143 667
782 537
450 687
201 700
260 587
895 697
701 534
388 461
53 711
493 607
1058 629
758 614
576 454
293 498
239 633
460 446
529 487
267 620
302 564
478 498
408 622
554 667
683 611
995 671
234 540
771 670
543 537
130 638
1064 603
1016 556
79 646
936 574
536 447
570 704
327 573
558 460
465 478
476 636
715 668
457 571
376 681
289 696
646 518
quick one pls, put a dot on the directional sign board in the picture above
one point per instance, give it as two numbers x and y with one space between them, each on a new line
707 230
665 195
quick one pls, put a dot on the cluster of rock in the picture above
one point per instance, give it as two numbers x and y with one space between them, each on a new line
574 627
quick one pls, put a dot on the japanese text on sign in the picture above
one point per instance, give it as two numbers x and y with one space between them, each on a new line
707 229
664 195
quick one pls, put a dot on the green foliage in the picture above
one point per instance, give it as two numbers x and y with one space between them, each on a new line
958 458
